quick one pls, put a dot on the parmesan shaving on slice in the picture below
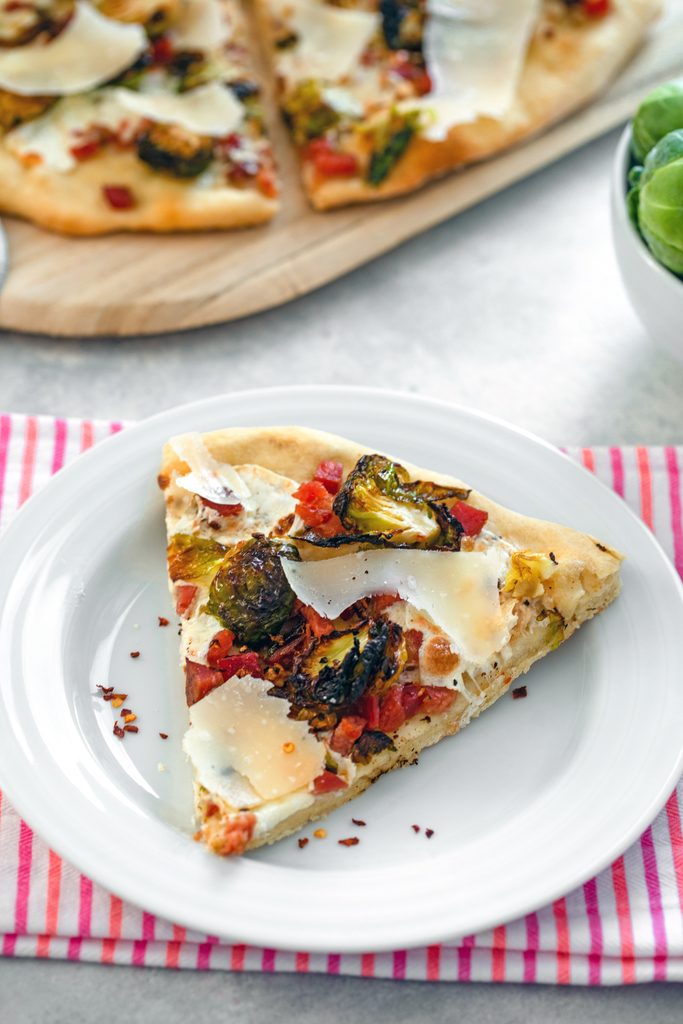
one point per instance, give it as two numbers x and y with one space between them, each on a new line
209 478
330 40
458 590
475 51
209 109
238 727
90 50
202 25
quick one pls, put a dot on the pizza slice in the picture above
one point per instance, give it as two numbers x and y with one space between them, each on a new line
383 95
340 611
131 115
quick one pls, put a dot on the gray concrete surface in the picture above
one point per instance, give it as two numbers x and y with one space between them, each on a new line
514 308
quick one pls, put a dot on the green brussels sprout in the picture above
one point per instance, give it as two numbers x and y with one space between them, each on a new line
381 504
342 666
307 113
193 559
371 743
660 113
392 138
170 148
660 201
250 593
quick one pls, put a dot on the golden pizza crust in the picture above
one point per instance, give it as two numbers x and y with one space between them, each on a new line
563 72
585 582
73 203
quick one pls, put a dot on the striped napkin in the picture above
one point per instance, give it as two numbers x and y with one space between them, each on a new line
624 926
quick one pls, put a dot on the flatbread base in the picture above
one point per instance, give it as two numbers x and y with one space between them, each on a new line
562 73
585 583
74 203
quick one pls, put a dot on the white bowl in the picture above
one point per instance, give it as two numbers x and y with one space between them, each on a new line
655 293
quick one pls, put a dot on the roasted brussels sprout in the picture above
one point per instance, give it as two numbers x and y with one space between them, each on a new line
250 593
170 148
20 23
527 574
342 666
403 23
391 141
370 743
16 109
190 69
660 112
554 634
381 504
656 200
307 113
193 559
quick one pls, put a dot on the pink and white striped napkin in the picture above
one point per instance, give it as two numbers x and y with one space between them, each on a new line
624 926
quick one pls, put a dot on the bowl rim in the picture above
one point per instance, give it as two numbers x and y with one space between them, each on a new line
620 169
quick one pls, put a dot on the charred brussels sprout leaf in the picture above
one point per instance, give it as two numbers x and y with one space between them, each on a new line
554 628
369 744
379 504
193 559
402 24
307 113
527 574
391 141
250 593
167 147
340 667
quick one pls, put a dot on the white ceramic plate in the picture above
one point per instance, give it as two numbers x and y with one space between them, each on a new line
527 803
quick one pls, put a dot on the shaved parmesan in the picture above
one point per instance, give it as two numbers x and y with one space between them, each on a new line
202 26
209 109
458 590
209 478
239 727
330 40
52 136
91 49
475 51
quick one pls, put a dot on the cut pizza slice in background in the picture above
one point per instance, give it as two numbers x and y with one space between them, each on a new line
383 95
340 612
131 115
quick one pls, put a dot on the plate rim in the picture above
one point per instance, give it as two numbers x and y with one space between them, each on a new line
60 842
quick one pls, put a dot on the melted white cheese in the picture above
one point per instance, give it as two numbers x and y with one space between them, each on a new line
203 25
475 50
52 136
209 478
457 590
197 634
91 49
331 39
239 727
209 109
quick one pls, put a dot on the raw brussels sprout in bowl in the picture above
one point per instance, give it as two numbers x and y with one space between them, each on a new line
647 214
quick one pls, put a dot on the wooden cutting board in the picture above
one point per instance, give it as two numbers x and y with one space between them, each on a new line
131 285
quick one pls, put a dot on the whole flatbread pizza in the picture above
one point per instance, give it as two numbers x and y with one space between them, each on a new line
148 114
340 611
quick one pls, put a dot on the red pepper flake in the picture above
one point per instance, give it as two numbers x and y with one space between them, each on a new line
130 728
519 693
415 828
302 842
163 621
164 735
351 841
118 731
429 832
135 654
359 822
119 197
125 711
105 689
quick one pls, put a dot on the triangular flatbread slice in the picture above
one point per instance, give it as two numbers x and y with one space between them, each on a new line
340 611
382 96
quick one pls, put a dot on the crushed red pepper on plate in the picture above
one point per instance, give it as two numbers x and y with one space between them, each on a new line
429 832
164 735
415 828
519 692
302 842
135 654
118 731
351 841
358 821
162 621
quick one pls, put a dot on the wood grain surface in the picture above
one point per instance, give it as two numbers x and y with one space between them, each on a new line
145 284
